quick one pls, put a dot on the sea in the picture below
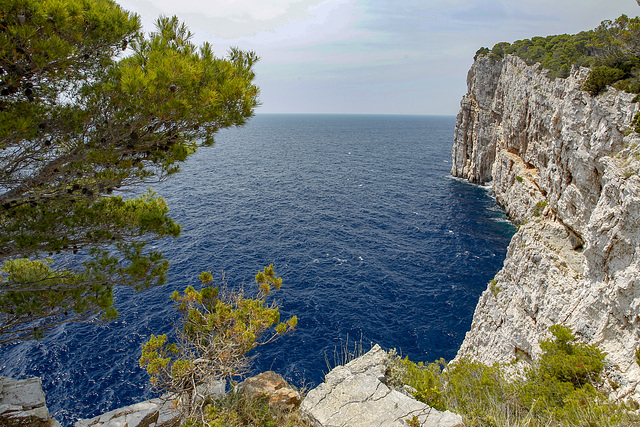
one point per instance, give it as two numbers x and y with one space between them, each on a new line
374 240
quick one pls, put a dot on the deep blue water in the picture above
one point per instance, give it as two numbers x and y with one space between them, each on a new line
372 237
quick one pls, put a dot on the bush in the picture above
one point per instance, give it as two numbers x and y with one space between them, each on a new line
567 360
481 394
636 122
218 329
560 387
481 51
540 207
425 379
498 51
236 409
600 77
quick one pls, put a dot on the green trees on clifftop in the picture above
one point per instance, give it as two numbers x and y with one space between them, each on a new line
612 50
78 125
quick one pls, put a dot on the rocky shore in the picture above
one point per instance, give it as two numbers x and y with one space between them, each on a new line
353 395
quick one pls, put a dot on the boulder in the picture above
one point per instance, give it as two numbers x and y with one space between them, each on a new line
272 385
23 404
355 395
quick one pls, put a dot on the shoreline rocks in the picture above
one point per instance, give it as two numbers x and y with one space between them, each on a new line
352 395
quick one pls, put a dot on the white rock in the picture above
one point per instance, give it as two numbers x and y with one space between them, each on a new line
150 413
159 412
22 402
354 395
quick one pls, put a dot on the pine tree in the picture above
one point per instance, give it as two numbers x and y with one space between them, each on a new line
90 107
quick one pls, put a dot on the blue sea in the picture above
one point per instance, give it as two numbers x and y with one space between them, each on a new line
374 240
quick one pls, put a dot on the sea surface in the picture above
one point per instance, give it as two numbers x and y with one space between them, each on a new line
374 240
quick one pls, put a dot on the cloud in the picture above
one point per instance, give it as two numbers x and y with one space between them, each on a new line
231 19
372 55
241 10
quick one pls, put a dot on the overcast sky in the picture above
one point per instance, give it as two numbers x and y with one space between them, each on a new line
372 56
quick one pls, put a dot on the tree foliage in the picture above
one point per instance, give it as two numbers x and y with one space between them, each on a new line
219 328
78 126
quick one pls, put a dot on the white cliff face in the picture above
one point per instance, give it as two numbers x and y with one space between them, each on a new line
564 165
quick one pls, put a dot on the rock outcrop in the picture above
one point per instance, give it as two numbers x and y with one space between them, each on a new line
22 404
355 395
352 395
279 393
565 167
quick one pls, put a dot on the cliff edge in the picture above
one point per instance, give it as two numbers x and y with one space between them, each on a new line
565 167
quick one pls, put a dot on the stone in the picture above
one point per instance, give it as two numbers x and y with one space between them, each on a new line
272 385
355 395
150 413
159 412
23 404
565 166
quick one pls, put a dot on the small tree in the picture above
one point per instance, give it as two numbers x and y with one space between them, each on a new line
218 329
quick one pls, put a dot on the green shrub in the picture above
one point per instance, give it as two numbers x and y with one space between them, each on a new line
424 378
498 51
493 286
519 178
481 51
558 390
636 122
631 85
413 421
239 410
540 207
600 77
480 393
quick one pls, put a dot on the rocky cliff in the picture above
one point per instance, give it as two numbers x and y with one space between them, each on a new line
565 167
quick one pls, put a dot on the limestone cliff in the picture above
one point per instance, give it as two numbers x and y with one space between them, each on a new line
565 166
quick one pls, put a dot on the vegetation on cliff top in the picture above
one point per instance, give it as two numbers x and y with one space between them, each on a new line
612 51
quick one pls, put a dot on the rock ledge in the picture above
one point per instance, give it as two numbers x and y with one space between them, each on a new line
22 404
355 395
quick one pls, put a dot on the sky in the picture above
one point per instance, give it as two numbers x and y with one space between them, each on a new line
371 56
